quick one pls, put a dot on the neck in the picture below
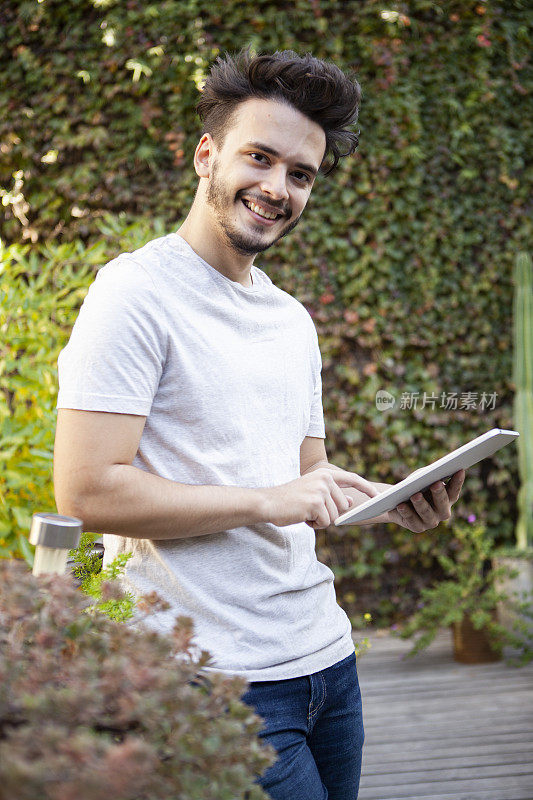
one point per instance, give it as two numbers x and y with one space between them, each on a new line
210 244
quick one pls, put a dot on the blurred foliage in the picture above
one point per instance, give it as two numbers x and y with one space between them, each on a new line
92 708
40 292
404 257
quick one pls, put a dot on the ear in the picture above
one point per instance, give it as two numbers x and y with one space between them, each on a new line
203 156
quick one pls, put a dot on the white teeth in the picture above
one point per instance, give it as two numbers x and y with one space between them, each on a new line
261 211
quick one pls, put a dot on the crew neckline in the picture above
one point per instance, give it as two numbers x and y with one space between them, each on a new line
216 275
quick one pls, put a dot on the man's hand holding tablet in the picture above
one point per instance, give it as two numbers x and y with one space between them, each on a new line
423 500
419 502
420 514
422 511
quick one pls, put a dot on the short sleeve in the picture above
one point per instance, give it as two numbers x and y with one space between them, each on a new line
316 420
116 353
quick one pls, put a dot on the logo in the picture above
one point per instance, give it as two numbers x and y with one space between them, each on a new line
384 400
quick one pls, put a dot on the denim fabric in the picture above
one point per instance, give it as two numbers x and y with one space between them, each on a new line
315 723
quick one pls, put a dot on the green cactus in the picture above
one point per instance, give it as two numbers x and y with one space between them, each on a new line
523 402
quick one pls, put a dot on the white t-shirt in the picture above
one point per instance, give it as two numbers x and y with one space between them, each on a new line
229 380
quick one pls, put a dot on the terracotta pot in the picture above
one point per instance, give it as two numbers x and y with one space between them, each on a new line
471 646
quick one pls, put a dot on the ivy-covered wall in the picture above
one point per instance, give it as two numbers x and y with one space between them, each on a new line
404 256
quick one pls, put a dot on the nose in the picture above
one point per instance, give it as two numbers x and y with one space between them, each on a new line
274 183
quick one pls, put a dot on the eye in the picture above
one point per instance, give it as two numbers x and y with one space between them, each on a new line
259 157
301 177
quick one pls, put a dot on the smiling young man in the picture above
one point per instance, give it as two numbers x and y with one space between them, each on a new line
190 429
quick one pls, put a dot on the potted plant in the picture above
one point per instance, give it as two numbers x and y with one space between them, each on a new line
518 581
466 602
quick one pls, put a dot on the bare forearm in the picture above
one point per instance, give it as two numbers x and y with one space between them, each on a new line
134 503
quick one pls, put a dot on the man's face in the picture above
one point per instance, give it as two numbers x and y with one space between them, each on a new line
262 175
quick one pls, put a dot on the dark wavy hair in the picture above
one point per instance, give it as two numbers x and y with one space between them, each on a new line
316 88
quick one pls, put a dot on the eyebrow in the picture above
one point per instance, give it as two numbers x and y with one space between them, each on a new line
270 150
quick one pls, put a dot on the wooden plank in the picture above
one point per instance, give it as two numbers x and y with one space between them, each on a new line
455 711
498 741
503 793
443 731
425 683
420 750
456 773
431 761
431 764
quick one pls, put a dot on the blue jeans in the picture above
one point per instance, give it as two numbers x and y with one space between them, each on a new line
315 723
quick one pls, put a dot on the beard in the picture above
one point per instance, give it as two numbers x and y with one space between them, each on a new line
242 242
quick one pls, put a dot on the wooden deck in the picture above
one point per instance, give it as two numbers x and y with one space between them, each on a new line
439 730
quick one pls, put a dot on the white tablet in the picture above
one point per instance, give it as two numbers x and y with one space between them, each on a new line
462 458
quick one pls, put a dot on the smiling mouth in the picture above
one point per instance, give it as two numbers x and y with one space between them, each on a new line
261 212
